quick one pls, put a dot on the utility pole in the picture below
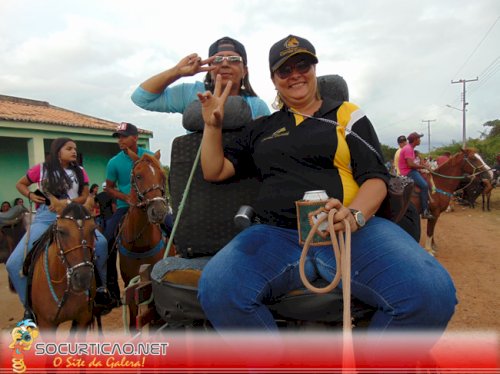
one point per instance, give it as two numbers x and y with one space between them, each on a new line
429 131
464 104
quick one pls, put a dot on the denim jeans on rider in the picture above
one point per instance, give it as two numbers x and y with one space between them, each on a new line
424 188
43 219
390 271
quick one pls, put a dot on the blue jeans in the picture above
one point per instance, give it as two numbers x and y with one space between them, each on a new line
424 188
43 219
390 271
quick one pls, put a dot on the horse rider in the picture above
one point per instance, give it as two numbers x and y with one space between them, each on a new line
401 143
408 166
118 187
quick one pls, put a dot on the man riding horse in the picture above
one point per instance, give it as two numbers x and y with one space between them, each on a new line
118 187
408 167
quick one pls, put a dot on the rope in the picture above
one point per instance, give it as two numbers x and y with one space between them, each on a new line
342 255
183 202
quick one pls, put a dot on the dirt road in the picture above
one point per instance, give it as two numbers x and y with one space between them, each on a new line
468 248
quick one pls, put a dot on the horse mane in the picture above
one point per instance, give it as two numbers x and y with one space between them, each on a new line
469 152
76 211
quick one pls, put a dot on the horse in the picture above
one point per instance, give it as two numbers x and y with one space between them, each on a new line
443 181
61 269
488 185
140 239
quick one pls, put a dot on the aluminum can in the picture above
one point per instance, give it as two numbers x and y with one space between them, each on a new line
244 217
317 195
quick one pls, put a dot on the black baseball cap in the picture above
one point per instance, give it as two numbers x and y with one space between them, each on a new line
125 129
288 47
228 44
401 139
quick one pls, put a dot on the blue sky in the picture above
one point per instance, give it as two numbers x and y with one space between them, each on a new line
398 57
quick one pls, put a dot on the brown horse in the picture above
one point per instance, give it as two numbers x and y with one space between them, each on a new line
62 267
443 182
141 240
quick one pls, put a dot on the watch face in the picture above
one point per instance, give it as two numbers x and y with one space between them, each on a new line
360 219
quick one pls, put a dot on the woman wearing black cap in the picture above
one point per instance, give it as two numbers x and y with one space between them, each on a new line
293 151
227 57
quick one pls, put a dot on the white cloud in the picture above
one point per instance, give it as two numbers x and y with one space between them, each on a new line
398 57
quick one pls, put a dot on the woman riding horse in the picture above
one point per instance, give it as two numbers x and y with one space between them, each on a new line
61 177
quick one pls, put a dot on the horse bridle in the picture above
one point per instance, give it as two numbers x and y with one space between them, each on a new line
83 245
141 195
465 176
62 253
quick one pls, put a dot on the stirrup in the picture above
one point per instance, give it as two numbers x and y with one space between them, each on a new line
28 314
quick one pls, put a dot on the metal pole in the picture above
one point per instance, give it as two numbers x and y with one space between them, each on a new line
429 131
464 104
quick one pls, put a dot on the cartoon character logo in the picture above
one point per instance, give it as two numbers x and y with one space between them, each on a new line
23 336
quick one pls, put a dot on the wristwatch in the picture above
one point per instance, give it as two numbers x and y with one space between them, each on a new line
358 217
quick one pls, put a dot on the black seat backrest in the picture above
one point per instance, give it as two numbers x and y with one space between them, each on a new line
206 223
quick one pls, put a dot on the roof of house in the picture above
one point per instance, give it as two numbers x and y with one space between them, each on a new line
34 111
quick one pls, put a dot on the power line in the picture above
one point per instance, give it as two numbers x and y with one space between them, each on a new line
472 54
478 45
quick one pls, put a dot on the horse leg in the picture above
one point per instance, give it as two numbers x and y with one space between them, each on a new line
430 244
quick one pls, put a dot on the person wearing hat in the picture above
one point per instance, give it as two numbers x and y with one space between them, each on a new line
401 143
409 165
118 188
292 151
227 57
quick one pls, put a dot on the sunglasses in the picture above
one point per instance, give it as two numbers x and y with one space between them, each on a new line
230 59
301 67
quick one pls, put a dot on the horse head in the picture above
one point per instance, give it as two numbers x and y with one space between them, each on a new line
148 182
74 237
473 163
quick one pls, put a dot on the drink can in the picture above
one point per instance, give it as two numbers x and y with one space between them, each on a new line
244 217
317 195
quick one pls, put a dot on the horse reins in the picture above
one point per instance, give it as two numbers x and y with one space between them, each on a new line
469 176
62 256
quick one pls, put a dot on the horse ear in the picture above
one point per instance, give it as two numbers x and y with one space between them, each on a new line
89 204
158 154
56 203
131 154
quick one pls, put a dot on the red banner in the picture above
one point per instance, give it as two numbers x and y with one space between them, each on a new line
300 352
